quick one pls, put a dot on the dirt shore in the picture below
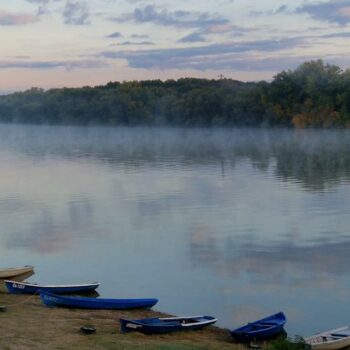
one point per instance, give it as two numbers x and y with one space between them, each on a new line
28 324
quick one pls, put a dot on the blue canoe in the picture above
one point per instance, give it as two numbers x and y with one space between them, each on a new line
165 325
262 329
15 287
51 299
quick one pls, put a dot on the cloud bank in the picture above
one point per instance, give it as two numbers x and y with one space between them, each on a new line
335 11
76 13
164 17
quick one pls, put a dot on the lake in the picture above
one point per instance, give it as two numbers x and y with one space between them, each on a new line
236 223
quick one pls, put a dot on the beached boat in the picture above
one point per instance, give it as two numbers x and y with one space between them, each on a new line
262 329
165 325
330 340
51 299
15 287
15 271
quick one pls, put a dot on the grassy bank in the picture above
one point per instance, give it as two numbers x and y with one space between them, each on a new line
27 324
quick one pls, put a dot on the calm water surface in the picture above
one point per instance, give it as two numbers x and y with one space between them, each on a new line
232 223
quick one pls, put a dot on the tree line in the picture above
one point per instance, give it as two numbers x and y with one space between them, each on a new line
315 94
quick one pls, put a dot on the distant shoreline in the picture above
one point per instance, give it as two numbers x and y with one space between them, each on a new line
315 95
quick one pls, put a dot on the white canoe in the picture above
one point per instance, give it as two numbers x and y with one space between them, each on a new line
15 271
331 340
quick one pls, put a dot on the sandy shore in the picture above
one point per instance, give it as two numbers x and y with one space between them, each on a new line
28 324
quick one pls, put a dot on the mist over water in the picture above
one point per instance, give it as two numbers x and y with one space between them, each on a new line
234 223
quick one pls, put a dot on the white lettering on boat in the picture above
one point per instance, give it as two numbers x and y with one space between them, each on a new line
134 326
47 297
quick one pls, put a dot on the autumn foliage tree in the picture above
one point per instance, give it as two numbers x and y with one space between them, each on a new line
315 94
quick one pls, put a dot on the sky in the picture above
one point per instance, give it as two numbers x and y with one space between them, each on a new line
56 43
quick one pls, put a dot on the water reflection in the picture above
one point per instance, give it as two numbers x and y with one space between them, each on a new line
51 233
236 223
317 159
274 263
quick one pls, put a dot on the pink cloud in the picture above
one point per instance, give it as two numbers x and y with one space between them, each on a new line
15 19
344 11
222 28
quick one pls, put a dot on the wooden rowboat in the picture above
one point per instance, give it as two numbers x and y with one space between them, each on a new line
330 340
17 271
262 329
51 299
166 325
15 287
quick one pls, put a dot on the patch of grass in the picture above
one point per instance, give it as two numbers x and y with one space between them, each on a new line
288 344
174 347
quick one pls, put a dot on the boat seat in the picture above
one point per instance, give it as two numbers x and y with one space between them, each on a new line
340 335
258 326
269 323
343 333
265 324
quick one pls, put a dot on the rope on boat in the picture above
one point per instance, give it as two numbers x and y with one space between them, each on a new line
23 301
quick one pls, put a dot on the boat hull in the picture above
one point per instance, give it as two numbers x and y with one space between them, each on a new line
15 287
262 329
166 325
52 300
330 346
13 272
330 340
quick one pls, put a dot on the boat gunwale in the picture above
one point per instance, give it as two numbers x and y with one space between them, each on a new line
98 300
199 323
13 269
182 318
53 285
212 320
18 268
12 272
257 330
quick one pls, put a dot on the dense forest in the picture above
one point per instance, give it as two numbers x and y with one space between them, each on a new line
313 95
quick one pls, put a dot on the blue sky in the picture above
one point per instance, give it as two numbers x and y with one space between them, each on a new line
54 43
